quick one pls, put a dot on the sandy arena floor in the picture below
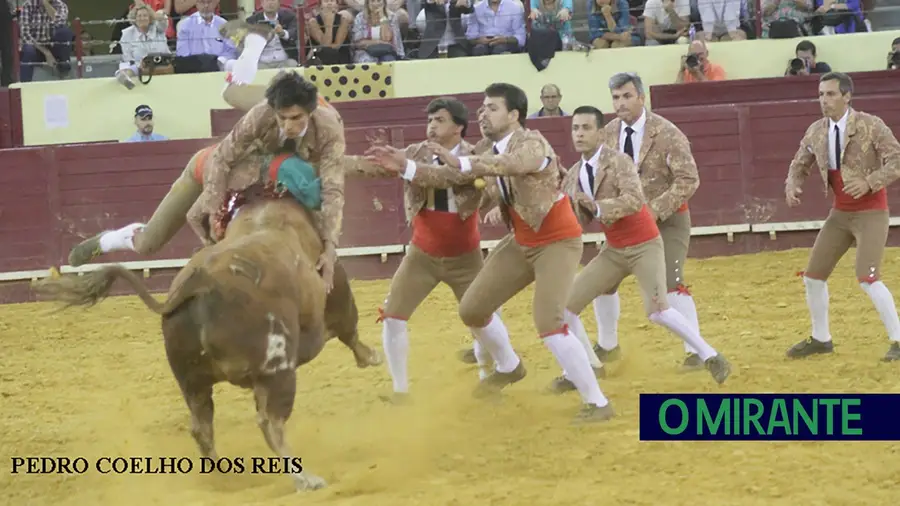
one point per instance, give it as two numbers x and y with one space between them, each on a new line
96 383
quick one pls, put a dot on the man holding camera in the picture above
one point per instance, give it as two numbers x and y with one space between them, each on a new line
857 156
893 59
695 66
281 51
805 62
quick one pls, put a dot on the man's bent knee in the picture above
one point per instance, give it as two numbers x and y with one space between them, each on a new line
474 315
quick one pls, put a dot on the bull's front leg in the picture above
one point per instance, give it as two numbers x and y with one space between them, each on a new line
274 402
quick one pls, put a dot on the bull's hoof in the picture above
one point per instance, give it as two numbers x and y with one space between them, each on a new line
368 357
306 481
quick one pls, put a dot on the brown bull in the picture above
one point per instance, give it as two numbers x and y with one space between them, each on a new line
248 310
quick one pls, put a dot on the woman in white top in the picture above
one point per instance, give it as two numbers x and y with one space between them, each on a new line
146 35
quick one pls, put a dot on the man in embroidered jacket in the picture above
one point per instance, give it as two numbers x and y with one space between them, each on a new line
669 177
605 186
445 245
858 157
544 246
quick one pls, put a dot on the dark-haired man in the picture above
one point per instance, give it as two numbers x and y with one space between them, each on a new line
605 186
544 246
445 245
669 178
858 157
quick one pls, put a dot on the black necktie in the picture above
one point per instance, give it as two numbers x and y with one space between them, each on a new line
837 147
289 146
504 185
441 196
629 147
590 174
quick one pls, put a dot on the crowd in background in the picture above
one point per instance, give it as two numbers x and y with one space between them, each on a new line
183 35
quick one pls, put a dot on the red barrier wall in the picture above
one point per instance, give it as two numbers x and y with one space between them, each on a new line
52 196
361 113
11 134
749 91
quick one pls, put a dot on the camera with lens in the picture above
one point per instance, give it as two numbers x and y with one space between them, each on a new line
159 60
692 61
797 64
894 60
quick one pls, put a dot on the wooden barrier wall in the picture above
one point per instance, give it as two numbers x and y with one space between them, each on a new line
50 197
361 113
11 133
749 91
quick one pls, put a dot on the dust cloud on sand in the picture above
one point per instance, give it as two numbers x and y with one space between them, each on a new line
96 383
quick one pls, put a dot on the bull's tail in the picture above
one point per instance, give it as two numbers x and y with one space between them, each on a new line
92 287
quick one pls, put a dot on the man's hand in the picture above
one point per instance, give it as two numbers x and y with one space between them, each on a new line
606 10
279 30
202 225
857 188
48 56
791 195
325 265
389 158
444 154
496 41
533 15
493 217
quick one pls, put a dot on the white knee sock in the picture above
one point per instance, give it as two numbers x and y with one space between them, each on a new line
119 240
484 359
246 66
574 323
495 339
677 323
606 311
395 340
817 302
884 304
571 358
684 304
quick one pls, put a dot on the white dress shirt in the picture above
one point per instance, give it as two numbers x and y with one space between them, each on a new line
637 137
583 176
842 127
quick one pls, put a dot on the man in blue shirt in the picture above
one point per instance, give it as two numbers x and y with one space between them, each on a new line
143 120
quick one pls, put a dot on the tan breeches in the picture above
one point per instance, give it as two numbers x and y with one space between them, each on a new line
605 272
244 97
510 268
676 237
170 214
867 229
419 273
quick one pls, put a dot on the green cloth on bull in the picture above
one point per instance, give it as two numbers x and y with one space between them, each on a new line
296 176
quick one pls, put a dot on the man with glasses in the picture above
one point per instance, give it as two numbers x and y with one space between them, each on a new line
550 97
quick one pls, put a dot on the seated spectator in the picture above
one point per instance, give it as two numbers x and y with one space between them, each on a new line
804 63
553 15
609 25
550 98
443 32
143 120
832 17
147 35
721 20
329 33
496 27
281 51
45 37
893 57
695 66
376 34
394 7
667 21
785 19
199 45
156 6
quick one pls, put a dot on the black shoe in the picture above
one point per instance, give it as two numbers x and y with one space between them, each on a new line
607 355
467 356
718 368
561 384
893 353
809 347
591 413
496 381
692 362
